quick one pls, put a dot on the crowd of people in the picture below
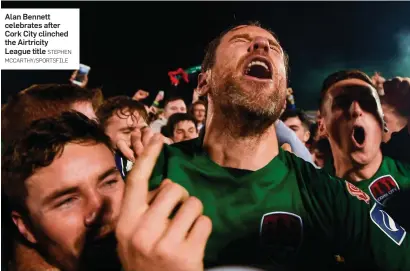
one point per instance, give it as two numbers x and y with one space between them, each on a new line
235 178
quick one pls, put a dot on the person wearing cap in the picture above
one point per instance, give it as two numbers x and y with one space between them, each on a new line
354 125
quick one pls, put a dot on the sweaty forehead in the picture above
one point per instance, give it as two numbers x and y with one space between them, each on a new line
250 30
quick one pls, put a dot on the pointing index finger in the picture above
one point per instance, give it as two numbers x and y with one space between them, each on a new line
135 198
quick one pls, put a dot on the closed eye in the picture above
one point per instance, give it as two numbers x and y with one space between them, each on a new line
241 40
110 183
66 202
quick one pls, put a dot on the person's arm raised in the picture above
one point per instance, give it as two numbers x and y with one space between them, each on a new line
148 240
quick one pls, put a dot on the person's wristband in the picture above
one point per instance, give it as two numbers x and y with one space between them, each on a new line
156 104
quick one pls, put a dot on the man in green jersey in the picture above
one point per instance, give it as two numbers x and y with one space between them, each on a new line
353 123
267 206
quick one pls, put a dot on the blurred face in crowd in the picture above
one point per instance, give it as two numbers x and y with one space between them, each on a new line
73 219
184 130
351 122
86 108
297 126
249 73
173 107
199 113
122 124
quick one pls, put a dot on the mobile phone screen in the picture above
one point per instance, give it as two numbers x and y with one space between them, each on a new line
82 72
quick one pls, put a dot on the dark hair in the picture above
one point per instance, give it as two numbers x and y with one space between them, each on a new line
175 119
210 53
340 76
40 145
172 99
37 102
120 105
314 128
298 113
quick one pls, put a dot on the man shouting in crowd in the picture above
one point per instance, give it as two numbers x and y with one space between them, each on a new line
268 206
68 199
353 122
354 125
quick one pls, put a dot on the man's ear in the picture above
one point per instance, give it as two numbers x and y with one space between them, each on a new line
322 130
23 227
306 136
203 82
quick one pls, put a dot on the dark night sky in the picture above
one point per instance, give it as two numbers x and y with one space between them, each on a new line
131 45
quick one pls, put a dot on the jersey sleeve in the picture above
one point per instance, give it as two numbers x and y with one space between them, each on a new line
361 230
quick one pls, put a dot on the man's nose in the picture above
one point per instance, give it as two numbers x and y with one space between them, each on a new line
94 209
355 110
259 43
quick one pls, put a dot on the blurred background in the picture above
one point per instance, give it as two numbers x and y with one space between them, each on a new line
133 45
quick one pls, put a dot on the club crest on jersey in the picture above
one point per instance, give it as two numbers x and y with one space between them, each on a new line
356 192
383 187
281 235
393 230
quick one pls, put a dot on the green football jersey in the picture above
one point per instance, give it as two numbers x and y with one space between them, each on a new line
391 176
287 213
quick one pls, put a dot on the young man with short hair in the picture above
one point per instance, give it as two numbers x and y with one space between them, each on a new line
182 127
298 122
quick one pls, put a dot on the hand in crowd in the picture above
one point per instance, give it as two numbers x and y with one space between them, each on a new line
147 238
159 97
83 83
286 147
139 140
195 95
153 110
140 95
397 93
378 81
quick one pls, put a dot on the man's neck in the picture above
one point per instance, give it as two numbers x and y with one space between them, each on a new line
346 169
228 150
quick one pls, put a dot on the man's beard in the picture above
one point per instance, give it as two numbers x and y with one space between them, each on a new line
95 254
248 113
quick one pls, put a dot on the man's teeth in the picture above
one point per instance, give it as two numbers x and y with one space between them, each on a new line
256 62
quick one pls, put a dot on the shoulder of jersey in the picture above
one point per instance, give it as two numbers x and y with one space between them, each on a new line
397 166
309 172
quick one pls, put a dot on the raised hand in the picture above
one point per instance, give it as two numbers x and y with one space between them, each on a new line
397 94
148 240
140 95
